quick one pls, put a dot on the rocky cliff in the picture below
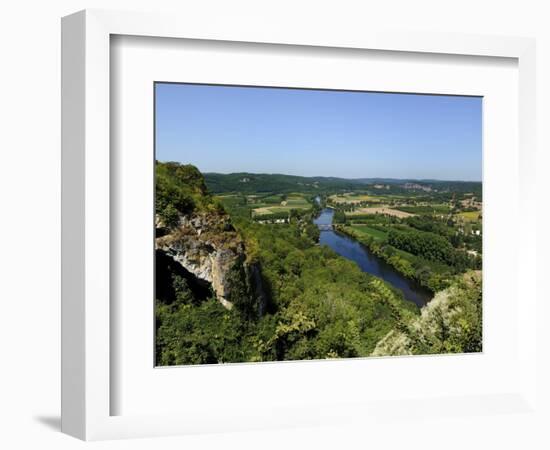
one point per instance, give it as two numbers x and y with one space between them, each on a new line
195 231
207 246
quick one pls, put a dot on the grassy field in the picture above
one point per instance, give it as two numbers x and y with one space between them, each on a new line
470 216
300 202
379 210
368 231
271 200
292 202
352 198
425 209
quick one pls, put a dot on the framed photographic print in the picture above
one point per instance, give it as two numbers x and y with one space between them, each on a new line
265 226
300 224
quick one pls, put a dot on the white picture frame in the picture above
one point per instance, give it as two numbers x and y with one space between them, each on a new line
87 386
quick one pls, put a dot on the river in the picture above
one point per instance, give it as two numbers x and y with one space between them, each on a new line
354 251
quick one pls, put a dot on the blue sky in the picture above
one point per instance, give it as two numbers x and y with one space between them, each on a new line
313 132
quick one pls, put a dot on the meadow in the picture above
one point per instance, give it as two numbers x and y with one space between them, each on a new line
364 230
470 216
276 204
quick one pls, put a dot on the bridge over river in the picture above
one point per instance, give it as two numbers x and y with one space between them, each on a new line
324 227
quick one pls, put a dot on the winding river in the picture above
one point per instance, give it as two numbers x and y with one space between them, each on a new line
354 251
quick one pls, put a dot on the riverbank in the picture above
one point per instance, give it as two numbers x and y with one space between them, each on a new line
431 275
354 250
395 258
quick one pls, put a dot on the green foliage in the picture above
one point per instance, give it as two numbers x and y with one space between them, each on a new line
171 200
170 215
374 232
430 274
274 183
240 293
284 184
430 224
450 323
318 304
339 217
322 306
430 246
200 334
272 216
325 305
180 190
425 209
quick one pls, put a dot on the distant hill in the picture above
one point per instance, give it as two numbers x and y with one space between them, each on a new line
254 182
261 182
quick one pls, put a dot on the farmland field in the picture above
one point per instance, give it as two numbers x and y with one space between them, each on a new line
425 209
352 198
380 210
284 206
470 216
363 230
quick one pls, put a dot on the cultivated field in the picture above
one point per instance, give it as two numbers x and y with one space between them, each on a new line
352 198
363 230
380 210
283 206
470 216
432 208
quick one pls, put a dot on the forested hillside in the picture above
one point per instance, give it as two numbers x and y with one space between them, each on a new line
319 305
231 288
251 183
245 182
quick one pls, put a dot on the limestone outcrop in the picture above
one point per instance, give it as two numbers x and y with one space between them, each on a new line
207 246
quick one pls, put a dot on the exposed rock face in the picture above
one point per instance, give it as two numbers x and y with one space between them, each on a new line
208 246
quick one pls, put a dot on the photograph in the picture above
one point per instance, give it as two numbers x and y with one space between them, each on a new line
298 224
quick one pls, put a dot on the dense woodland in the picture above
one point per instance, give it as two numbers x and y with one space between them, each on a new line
319 304
279 183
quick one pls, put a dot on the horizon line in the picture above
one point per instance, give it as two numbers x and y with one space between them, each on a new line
329 176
